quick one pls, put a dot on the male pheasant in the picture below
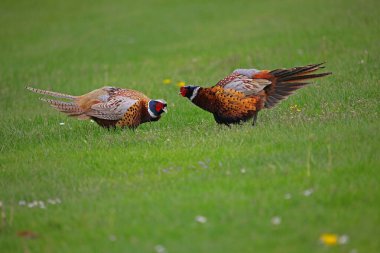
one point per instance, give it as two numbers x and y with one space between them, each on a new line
108 106
242 94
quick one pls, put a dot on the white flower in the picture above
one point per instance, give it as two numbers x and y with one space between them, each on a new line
112 238
51 201
160 249
22 203
200 219
343 239
276 220
203 164
308 192
41 204
62 123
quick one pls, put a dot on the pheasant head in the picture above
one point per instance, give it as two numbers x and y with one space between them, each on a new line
157 107
189 91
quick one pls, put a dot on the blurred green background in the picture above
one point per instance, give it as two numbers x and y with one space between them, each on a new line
277 187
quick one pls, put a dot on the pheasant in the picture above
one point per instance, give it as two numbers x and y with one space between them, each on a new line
108 106
242 94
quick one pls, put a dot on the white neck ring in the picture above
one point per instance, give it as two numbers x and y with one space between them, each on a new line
150 112
195 93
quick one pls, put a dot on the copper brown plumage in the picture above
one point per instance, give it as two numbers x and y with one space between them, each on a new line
241 95
108 106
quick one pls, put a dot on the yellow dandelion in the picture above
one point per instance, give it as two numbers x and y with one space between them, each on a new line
295 108
181 83
167 81
329 239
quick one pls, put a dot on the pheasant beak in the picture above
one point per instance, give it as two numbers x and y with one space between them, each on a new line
165 109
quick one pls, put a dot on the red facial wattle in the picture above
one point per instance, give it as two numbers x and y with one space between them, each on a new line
159 107
183 91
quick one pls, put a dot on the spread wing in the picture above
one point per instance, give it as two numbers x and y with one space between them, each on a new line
243 80
113 109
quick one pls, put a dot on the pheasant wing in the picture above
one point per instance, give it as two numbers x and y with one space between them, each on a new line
113 109
242 80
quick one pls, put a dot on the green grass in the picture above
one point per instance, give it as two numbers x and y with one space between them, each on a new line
145 187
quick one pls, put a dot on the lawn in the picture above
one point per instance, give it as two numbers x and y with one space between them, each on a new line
185 184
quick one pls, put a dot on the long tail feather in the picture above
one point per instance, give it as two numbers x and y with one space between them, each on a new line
51 93
70 108
297 70
303 77
66 107
287 81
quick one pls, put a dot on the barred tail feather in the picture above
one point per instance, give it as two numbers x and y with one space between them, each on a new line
70 108
51 93
287 81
